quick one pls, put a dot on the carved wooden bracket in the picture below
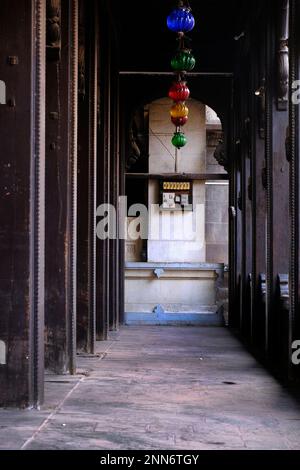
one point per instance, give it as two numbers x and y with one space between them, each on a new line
137 138
220 155
283 58
53 30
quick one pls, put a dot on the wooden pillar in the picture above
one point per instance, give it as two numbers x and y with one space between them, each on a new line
104 179
257 100
122 191
259 237
277 181
22 208
294 158
246 212
87 174
242 209
114 195
234 220
61 187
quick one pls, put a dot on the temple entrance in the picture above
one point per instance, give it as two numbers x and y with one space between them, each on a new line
177 219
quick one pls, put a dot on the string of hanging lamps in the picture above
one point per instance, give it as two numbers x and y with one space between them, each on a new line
181 21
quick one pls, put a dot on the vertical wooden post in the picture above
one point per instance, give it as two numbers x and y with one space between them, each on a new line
294 158
103 187
92 253
22 208
257 100
122 192
114 195
87 164
277 193
61 199
234 214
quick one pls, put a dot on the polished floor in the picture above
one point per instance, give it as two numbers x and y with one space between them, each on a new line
161 388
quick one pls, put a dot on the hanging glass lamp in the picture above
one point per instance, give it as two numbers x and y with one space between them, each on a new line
183 61
181 20
179 92
179 121
179 140
179 110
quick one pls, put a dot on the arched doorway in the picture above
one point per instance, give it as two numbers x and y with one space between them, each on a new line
177 201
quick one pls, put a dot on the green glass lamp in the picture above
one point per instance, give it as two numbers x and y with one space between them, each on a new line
179 140
183 61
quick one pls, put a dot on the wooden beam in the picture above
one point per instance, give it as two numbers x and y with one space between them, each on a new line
179 176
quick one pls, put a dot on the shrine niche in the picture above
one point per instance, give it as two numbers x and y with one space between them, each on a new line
138 141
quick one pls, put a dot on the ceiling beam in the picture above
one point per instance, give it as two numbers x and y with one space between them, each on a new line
171 74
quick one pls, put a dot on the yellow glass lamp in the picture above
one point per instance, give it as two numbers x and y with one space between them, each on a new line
179 110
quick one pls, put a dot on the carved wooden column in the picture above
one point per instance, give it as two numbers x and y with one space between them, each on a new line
61 185
83 179
103 176
242 209
114 193
233 227
87 175
246 210
22 208
257 100
122 190
294 158
277 175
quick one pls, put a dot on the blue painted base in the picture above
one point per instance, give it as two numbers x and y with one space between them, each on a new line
174 319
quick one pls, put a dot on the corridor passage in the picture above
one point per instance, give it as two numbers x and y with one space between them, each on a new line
161 388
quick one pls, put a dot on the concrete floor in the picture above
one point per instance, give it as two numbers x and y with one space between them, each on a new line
161 388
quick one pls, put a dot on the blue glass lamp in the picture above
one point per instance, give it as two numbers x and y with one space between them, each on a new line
181 20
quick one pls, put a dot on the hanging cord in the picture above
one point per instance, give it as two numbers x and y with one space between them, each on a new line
182 39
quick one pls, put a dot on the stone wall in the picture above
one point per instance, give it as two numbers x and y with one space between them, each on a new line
216 222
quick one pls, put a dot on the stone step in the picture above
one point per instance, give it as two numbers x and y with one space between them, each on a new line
204 318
